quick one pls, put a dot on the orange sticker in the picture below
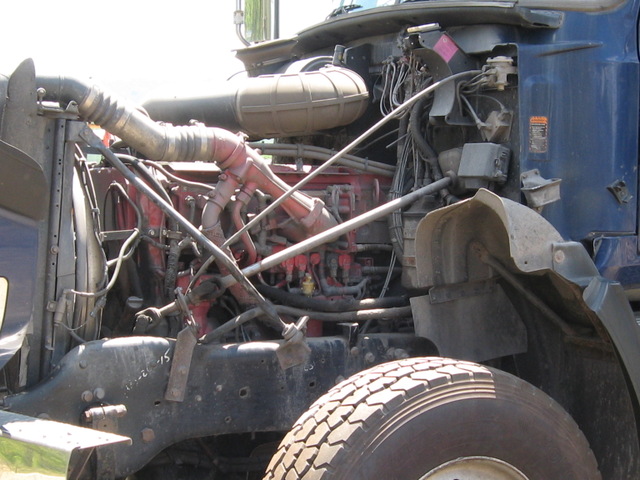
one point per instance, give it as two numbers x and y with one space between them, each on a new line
538 134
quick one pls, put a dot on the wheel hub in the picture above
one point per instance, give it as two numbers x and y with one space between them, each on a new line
475 468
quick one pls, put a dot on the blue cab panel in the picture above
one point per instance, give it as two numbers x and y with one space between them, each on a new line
583 78
18 256
23 204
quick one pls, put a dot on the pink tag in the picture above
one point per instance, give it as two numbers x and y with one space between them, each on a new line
446 48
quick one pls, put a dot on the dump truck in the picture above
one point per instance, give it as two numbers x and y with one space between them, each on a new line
404 246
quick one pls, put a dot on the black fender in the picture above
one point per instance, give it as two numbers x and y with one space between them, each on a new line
527 246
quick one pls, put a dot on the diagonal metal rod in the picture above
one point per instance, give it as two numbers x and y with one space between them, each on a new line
394 114
92 139
483 254
338 230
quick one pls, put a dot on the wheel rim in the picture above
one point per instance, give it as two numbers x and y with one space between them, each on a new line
475 468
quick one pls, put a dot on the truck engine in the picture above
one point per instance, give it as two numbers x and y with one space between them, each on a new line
224 190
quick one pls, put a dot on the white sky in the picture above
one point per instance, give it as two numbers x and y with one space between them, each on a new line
135 45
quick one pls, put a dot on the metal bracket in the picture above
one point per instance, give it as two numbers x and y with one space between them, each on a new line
181 364
350 332
111 235
539 191
294 351
620 191
105 418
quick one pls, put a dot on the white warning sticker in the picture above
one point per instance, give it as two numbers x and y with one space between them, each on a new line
538 134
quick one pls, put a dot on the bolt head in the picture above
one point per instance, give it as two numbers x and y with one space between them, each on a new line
87 396
148 435
400 353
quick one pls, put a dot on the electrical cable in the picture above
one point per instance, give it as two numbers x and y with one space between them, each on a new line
88 136
146 174
398 112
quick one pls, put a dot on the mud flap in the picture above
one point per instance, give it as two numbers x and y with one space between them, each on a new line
608 300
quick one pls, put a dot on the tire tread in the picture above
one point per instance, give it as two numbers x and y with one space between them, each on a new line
327 429
323 437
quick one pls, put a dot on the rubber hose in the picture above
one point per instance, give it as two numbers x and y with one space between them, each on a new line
342 305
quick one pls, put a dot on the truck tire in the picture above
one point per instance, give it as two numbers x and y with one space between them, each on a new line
434 419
